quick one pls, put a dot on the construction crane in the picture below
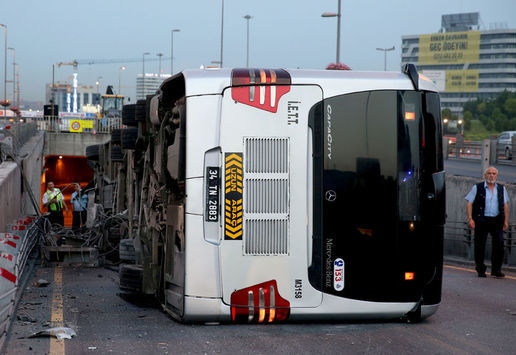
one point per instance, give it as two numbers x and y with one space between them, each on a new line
75 63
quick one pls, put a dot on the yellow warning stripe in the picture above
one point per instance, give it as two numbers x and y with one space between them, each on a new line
228 172
233 156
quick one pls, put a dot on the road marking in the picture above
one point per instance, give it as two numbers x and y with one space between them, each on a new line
56 319
473 271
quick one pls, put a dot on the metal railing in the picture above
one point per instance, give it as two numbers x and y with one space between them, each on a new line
473 150
77 124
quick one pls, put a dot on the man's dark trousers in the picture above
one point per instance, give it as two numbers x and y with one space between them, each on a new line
492 226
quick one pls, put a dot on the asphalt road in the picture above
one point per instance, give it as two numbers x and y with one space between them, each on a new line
472 168
476 316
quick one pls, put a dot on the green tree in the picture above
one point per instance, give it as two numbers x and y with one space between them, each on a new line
468 117
490 126
510 106
483 118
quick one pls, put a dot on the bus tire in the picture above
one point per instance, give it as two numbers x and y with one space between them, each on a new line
116 154
126 250
140 111
115 136
128 138
128 115
92 152
131 277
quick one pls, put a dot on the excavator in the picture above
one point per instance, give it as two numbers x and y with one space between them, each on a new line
111 104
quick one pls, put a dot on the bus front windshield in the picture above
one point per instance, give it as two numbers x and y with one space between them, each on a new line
379 151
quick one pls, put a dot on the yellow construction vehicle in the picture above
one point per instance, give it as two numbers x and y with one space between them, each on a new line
111 104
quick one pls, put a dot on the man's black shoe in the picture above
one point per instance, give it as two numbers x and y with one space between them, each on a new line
498 274
481 274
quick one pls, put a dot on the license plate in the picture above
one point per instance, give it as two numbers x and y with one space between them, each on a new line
212 194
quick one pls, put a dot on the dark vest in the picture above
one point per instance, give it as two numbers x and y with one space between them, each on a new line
479 204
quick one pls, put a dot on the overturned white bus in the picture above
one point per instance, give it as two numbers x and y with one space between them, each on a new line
264 195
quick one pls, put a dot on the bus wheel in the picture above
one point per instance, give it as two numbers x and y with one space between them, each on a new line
115 136
126 251
92 152
131 278
129 137
129 115
139 113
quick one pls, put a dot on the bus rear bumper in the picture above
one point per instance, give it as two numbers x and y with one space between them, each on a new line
428 310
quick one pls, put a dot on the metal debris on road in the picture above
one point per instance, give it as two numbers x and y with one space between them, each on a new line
41 283
58 332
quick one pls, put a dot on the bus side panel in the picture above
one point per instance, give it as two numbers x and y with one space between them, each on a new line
202 130
201 261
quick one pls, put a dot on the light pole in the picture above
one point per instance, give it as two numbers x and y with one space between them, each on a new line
337 15
247 17
222 34
98 91
5 67
119 75
385 50
172 50
159 72
14 73
143 73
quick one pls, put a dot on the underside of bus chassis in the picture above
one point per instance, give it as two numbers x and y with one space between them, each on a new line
156 175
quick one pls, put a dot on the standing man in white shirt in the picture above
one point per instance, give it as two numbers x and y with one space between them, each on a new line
487 210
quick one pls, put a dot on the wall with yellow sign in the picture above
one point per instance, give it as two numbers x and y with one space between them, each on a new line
449 48
79 125
461 80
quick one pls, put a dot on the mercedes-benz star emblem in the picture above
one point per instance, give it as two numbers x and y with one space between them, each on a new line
330 196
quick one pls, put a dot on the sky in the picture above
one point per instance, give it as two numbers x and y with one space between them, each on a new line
282 34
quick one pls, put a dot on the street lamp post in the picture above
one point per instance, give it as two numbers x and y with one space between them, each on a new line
5 67
222 34
14 73
385 50
143 73
337 15
98 91
172 50
159 72
247 17
119 75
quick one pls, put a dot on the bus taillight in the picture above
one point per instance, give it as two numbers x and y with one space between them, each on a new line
259 303
409 276
260 88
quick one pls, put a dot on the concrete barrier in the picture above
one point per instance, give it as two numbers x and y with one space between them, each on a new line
15 248
10 193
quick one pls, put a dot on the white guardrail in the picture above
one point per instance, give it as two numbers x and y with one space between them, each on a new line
15 247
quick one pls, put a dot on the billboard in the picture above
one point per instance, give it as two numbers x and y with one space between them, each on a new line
462 80
449 48
453 80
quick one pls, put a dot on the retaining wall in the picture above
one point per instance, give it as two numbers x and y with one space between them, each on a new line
10 193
